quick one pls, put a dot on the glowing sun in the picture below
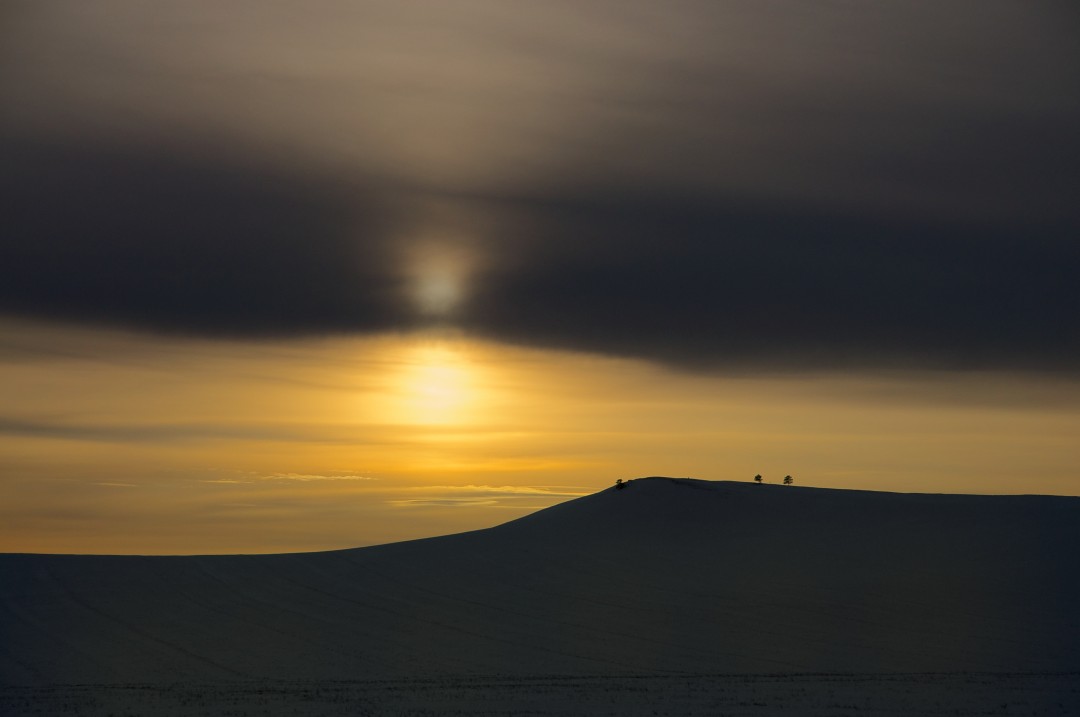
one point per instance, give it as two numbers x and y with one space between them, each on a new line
435 386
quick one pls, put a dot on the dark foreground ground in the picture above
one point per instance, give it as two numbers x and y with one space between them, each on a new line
954 694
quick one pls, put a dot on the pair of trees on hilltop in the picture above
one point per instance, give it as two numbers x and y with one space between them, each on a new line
788 480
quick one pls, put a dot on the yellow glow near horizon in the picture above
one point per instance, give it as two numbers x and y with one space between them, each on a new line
117 442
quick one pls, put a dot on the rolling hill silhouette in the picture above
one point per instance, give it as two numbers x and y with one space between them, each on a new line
665 576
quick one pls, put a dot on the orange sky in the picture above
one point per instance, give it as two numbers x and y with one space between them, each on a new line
123 443
836 241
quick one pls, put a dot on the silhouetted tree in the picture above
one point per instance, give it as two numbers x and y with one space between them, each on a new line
619 485
757 478
788 480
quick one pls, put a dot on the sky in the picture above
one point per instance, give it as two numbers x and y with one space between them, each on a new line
283 276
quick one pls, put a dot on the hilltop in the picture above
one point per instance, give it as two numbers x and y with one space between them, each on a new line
665 576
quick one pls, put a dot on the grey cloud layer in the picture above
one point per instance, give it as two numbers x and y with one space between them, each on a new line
708 184
192 243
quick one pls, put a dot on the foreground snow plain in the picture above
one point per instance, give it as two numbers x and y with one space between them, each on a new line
957 695
671 596
732 695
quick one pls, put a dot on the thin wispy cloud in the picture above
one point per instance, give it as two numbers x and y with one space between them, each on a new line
310 477
251 477
444 502
482 495
48 427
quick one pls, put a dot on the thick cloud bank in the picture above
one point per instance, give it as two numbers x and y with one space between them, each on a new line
191 243
733 185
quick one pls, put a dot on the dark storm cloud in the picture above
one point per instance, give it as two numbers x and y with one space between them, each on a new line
186 241
733 283
721 184
209 246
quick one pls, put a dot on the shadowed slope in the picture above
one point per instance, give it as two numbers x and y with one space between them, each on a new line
666 575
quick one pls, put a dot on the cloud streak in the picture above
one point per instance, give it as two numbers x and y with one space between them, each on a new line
471 496
315 477
181 432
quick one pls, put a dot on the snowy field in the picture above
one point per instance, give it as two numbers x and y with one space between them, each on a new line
667 597
729 695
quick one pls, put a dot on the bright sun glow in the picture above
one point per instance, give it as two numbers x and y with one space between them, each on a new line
435 386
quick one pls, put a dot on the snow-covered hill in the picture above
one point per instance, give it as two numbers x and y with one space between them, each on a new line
664 576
